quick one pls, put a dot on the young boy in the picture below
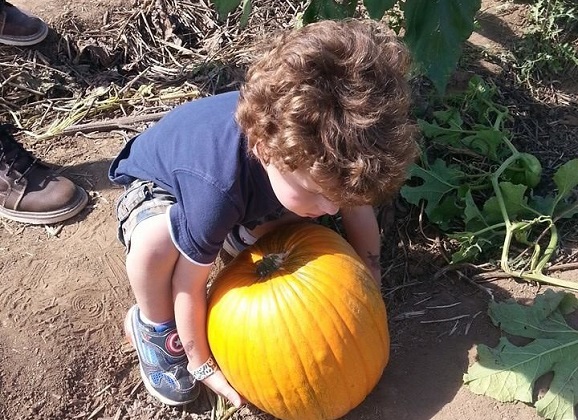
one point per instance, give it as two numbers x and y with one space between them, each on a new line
319 127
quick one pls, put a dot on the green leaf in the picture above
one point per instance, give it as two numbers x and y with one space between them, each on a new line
514 201
329 10
450 116
486 141
450 135
542 204
540 319
224 7
525 170
474 244
567 210
435 32
377 8
478 237
469 247
508 372
473 217
566 178
438 181
448 210
246 13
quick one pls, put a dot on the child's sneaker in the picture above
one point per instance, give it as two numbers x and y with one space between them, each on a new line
233 244
162 361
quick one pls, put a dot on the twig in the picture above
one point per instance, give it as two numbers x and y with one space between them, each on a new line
402 286
562 267
451 305
95 412
112 124
434 321
229 413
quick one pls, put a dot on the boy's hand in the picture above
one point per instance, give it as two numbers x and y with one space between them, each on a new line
220 386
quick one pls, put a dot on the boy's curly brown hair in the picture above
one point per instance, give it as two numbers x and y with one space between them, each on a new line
333 97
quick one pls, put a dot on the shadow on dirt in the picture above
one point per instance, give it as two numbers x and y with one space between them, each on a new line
91 175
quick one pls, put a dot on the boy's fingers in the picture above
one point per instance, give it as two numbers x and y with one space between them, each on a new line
219 385
234 398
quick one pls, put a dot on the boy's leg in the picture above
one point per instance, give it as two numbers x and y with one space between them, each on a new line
150 263
241 237
268 226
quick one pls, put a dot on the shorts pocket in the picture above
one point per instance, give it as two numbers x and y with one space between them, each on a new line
137 193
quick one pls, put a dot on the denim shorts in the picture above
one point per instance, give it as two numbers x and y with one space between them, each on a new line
143 199
139 201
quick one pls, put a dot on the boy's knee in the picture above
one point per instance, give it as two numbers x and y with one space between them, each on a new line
151 240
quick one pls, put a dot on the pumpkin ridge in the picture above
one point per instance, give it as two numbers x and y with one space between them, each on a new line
376 312
297 336
263 307
338 327
260 303
336 303
308 282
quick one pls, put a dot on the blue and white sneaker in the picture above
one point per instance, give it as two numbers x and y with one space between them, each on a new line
162 361
233 244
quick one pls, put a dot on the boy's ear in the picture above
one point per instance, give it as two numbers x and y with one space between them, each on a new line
257 150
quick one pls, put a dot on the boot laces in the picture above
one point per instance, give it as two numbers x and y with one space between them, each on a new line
14 154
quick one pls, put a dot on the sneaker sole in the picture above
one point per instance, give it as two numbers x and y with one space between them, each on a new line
232 246
230 249
47 218
129 325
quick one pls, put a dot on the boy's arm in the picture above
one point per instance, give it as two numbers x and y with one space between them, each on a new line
362 232
190 297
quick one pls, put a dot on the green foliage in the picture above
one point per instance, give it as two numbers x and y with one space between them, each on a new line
478 188
329 10
435 33
548 48
224 7
434 30
525 170
377 8
508 372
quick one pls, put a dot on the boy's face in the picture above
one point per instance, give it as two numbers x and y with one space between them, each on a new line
298 193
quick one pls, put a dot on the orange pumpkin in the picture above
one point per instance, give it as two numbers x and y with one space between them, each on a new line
298 326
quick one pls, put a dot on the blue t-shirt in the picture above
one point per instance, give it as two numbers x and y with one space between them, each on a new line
198 153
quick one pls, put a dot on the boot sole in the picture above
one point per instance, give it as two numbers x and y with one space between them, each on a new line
25 41
50 217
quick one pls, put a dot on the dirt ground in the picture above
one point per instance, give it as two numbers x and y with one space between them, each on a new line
64 294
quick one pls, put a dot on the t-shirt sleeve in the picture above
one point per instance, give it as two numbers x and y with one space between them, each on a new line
201 218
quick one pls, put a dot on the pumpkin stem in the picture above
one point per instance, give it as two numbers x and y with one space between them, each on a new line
269 264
